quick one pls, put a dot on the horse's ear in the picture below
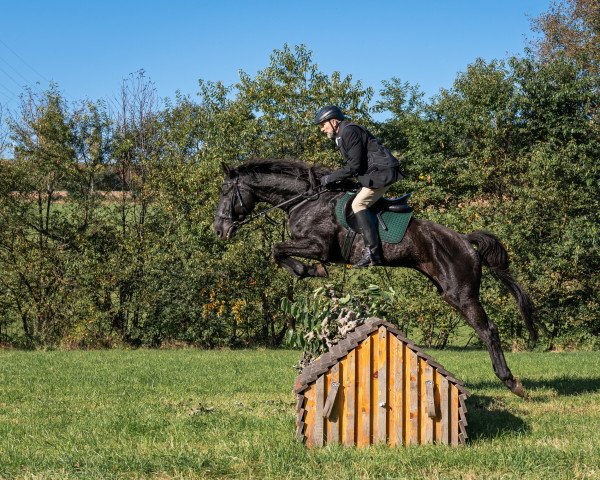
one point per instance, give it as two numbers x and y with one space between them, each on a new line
225 168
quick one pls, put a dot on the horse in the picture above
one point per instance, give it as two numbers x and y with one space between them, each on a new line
451 260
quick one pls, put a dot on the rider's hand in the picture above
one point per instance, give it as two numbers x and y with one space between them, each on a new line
325 181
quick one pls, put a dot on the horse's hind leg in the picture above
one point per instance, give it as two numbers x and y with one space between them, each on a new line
475 315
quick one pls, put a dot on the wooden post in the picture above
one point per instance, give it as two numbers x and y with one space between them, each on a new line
462 422
429 414
329 410
398 390
349 398
309 417
319 400
364 393
382 406
300 417
414 399
454 415
444 410
437 378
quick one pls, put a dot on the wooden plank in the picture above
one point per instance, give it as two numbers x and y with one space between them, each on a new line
349 399
437 434
331 413
422 406
300 413
374 385
364 393
309 418
462 419
329 410
429 411
462 430
300 431
319 400
461 400
398 391
340 402
382 402
445 410
391 374
454 415
414 399
407 422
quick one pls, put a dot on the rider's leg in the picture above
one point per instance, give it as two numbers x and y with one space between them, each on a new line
365 198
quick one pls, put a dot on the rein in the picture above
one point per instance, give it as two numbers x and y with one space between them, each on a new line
263 213
312 192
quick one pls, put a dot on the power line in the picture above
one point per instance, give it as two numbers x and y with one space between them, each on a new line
26 64
16 71
8 97
9 76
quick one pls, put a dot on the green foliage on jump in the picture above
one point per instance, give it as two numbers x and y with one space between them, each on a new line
324 318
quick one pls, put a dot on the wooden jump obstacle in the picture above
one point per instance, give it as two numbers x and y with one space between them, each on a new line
376 386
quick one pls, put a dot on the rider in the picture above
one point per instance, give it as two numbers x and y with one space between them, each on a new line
374 165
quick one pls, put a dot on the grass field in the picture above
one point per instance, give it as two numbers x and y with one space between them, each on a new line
230 414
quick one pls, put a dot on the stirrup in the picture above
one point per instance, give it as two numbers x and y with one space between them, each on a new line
369 260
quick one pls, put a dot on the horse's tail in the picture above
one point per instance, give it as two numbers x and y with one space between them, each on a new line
495 256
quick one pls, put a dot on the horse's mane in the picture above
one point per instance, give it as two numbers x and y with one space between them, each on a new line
290 167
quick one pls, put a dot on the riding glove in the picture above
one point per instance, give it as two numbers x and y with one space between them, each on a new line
325 181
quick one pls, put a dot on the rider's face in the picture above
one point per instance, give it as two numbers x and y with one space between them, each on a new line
329 128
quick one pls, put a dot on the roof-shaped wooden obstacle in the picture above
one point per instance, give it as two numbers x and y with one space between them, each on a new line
377 386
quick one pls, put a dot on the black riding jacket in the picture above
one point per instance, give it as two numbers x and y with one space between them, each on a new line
365 158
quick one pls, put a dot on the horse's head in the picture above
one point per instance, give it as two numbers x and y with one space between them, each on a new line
236 201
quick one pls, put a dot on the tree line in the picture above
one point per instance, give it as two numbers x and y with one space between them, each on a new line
512 147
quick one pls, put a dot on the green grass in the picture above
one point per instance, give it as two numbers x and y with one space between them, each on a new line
213 414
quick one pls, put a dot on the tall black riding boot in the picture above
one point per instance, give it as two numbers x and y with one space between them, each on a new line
373 250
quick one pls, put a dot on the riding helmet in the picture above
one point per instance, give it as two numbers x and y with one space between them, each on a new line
327 113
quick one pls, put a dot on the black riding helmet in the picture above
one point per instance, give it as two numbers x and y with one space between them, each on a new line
327 113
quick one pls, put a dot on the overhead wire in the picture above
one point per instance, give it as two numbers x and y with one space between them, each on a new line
15 70
27 82
10 76
24 62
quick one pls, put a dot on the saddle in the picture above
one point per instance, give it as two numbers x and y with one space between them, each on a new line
398 205
393 216
395 205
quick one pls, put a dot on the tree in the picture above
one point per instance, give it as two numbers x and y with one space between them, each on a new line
571 28
35 240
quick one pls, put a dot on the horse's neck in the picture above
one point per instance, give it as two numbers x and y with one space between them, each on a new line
277 190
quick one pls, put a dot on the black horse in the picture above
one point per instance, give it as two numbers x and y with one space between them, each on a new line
446 257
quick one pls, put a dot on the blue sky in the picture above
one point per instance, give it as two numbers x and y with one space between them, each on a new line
88 47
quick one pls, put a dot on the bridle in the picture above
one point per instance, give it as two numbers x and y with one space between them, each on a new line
236 196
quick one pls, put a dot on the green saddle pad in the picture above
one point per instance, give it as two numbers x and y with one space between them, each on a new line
396 223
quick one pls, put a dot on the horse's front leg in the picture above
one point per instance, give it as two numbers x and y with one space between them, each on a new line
306 248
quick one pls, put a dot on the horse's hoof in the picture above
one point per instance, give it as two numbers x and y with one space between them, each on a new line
517 388
321 271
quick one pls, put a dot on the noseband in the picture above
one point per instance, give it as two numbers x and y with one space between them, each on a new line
236 195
